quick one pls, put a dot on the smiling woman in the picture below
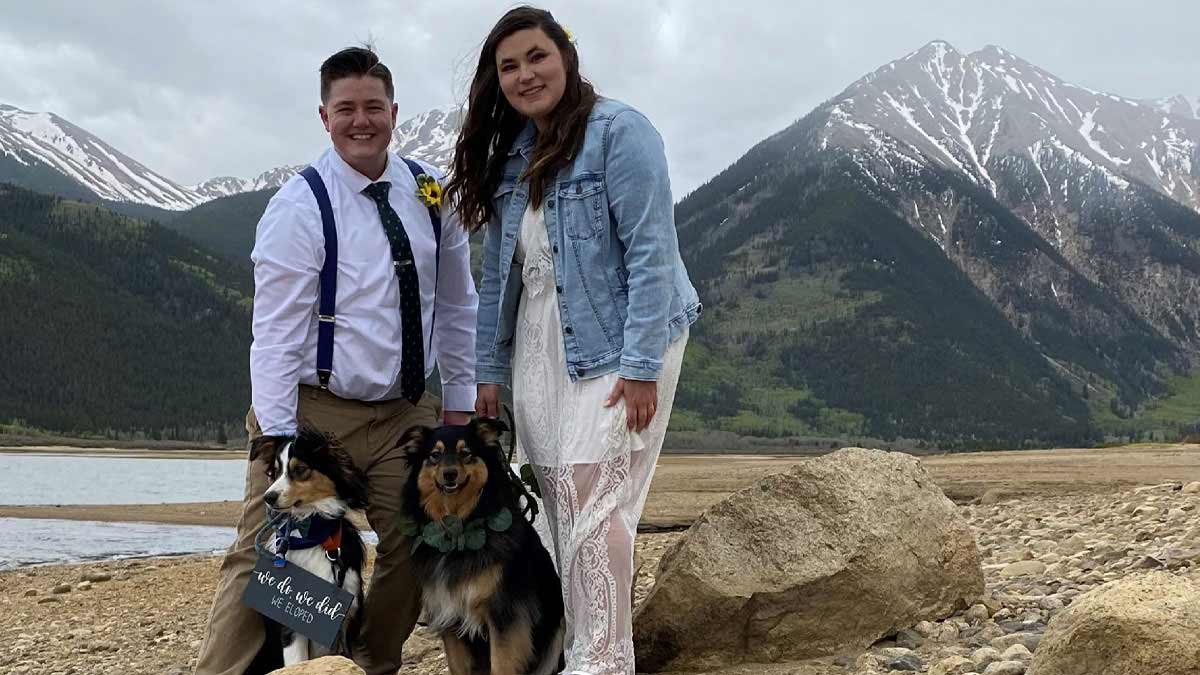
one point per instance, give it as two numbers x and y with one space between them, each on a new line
584 307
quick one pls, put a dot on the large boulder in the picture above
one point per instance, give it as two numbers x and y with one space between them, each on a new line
1146 624
832 556
326 665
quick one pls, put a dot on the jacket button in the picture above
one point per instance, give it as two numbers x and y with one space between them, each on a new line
558 289
556 248
568 330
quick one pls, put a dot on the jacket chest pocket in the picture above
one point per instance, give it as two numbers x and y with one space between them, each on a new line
583 207
503 195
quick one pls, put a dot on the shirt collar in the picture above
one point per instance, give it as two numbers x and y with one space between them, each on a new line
523 143
355 181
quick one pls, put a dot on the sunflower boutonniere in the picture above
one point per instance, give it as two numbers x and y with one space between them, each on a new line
429 191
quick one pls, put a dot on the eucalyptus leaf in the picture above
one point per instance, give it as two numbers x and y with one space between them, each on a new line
501 521
474 539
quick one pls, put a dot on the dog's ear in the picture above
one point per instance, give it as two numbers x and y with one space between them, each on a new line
412 442
352 478
267 449
488 429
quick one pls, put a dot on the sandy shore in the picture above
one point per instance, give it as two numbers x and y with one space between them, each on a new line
1072 515
685 485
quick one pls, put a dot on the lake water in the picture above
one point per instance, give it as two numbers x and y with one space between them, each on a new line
47 479
57 479
35 541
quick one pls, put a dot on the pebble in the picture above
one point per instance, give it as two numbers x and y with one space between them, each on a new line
61 588
1005 668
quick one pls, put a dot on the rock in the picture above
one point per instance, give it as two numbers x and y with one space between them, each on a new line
925 628
1005 668
948 632
48 599
1017 652
1024 568
992 496
1144 624
954 665
1030 640
978 613
909 639
909 662
96 576
61 588
326 665
831 556
83 586
1192 488
30 592
984 657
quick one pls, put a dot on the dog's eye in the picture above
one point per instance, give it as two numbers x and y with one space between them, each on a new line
466 456
300 472
434 457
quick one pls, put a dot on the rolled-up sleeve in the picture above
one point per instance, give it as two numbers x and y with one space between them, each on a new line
457 305
287 260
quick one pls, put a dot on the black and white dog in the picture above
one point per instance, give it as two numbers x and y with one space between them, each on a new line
317 485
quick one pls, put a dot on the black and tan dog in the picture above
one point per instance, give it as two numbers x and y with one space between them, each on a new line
488 584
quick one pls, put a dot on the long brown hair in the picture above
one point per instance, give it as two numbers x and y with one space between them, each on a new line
492 124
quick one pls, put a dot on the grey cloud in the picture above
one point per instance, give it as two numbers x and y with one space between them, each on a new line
201 89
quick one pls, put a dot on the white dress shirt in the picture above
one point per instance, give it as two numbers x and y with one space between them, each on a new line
289 250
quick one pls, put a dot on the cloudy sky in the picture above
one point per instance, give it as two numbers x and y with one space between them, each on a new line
200 89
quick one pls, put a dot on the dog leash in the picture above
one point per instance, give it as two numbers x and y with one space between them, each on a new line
530 512
280 523
273 520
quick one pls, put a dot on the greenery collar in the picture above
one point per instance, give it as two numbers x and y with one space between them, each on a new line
451 534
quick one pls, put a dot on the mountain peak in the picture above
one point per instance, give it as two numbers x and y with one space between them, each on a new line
935 50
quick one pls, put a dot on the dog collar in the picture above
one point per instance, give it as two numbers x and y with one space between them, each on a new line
452 534
297 535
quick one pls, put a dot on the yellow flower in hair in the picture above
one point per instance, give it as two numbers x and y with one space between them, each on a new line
570 35
429 191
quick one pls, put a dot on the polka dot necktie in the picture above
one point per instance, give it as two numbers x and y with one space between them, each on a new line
412 351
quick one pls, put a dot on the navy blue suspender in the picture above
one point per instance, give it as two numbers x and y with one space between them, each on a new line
435 219
326 316
328 283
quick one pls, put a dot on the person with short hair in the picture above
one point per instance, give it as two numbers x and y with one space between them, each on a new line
404 302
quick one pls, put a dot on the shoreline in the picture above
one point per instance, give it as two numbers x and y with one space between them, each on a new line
129 453
686 484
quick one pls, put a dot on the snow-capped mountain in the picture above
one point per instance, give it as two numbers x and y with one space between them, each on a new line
966 243
32 139
429 137
1183 106
35 140
223 186
964 112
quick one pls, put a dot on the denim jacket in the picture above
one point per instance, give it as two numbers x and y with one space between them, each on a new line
623 292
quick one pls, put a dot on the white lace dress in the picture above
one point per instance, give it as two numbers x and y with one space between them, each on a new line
594 473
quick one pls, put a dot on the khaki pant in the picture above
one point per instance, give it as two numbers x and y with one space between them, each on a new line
369 431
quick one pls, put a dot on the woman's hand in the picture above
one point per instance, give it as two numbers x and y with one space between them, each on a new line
487 400
641 401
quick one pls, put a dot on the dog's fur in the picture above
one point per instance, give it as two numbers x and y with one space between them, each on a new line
499 609
317 478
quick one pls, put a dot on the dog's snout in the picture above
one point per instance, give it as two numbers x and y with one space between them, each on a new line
450 475
271 498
